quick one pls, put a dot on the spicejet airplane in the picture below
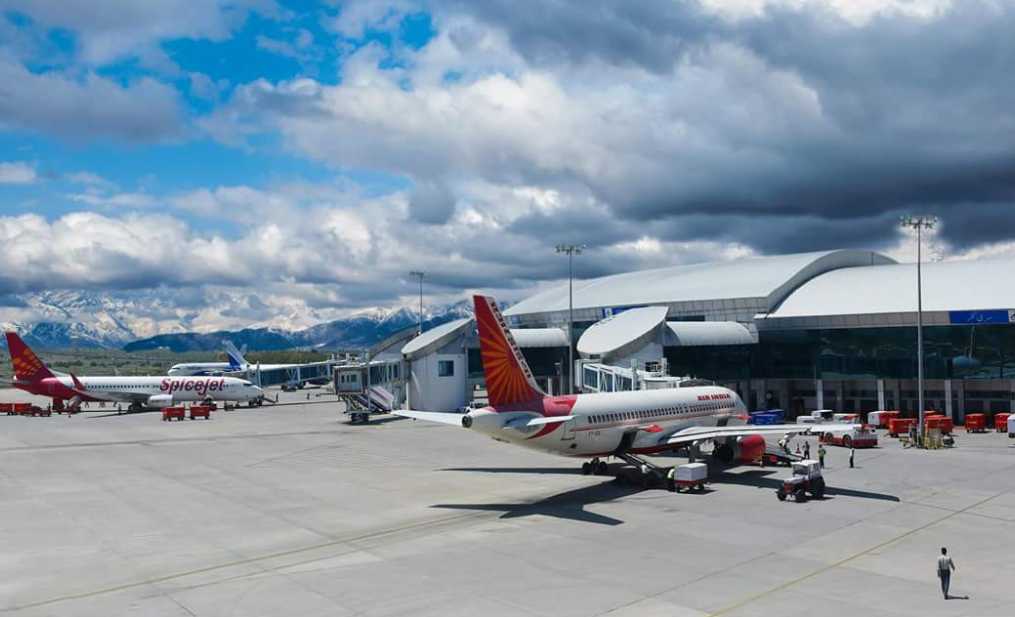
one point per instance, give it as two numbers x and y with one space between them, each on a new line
598 425
31 375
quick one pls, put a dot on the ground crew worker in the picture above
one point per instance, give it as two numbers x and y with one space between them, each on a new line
851 452
945 565
671 479
821 455
807 449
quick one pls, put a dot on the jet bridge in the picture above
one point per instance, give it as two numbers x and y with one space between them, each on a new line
296 375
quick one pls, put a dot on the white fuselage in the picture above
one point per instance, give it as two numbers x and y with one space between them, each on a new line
186 369
602 420
179 389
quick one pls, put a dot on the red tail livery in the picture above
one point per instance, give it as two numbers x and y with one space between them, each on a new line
27 366
509 382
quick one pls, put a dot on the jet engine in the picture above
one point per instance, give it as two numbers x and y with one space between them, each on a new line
746 449
158 401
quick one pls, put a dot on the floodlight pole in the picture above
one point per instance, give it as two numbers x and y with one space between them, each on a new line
571 250
919 223
419 274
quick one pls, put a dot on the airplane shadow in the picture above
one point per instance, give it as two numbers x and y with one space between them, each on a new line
569 505
113 414
374 420
764 479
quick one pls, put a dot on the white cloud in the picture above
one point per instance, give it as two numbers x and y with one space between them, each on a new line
112 30
17 173
90 179
116 200
858 12
89 107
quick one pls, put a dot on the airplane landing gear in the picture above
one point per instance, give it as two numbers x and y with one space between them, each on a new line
594 467
651 475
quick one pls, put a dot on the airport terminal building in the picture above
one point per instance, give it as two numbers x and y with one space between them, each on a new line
833 330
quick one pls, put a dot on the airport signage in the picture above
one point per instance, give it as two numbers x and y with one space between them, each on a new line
981 317
617 310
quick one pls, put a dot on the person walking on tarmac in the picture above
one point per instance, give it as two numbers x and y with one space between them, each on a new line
851 453
821 455
807 449
945 565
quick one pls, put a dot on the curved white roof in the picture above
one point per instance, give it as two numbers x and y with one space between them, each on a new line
700 333
891 289
610 335
769 278
539 337
435 337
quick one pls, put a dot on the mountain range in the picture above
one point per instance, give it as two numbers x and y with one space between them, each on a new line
136 322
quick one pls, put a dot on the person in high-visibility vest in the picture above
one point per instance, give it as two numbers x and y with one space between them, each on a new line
821 455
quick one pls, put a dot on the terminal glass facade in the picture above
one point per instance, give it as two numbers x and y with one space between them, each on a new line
951 352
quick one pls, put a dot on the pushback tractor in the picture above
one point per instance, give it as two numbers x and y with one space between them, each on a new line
806 480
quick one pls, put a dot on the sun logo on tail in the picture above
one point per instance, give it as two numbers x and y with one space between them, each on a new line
508 378
26 363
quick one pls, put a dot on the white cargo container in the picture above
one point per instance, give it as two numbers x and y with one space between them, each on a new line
691 476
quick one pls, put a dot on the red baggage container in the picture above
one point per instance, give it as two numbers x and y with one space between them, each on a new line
200 411
7 408
976 423
173 413
883 418
900 425
23 409
1001 422
941 422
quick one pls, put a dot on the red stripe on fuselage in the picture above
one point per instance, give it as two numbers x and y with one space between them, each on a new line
548 407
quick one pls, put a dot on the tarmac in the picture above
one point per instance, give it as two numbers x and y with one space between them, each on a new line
288 510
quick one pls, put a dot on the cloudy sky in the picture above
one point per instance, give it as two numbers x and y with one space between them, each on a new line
272 158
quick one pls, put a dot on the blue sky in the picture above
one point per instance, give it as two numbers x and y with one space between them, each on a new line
281 163
291 42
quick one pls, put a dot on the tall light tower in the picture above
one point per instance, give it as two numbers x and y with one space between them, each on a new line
919 223
571 250
420 274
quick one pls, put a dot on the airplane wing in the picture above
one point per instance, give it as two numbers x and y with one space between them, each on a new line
524 422
703 433
440 417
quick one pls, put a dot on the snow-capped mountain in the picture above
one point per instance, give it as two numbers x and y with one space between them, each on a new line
156 318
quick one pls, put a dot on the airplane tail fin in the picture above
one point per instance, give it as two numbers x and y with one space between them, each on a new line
508 378
27 366
236 359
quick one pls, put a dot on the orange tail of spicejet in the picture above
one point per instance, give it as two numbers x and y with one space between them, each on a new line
27 365
508 378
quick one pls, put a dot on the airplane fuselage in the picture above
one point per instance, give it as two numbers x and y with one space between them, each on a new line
141 389
603 421
187 369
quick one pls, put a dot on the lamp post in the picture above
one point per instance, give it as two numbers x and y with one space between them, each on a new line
919 223
419 274
571 250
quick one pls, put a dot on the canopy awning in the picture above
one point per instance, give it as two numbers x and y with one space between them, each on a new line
703 333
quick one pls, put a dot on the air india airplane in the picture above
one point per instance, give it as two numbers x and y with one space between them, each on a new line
595 426
31 375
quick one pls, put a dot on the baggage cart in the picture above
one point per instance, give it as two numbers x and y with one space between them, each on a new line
690 476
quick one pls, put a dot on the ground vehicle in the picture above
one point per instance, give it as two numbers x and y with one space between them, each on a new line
690 476
862 436
806 479
880 419
897 426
